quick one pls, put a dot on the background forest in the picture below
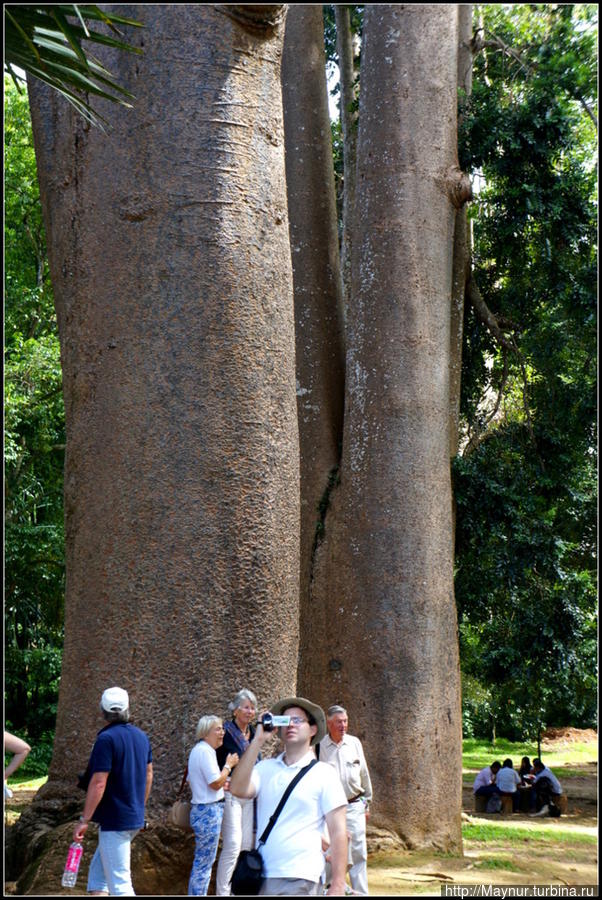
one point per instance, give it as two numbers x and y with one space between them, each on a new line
525 474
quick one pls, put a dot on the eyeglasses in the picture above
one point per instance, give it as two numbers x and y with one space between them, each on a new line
297 720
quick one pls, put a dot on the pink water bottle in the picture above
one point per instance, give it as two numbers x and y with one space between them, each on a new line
74 857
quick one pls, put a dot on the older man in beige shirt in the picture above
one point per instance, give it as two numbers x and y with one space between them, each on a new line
344 752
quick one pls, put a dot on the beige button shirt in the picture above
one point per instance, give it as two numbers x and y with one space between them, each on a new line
349 761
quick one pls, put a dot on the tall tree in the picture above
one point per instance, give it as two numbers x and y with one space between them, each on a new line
349 116
383 622
170 259
320 360
525 480
462 243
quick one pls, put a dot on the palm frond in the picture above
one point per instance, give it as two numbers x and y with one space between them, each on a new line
47 42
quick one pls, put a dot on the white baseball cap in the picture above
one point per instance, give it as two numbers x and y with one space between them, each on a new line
115 699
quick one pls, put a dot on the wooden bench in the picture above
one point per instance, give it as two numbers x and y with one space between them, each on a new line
480 804
507 805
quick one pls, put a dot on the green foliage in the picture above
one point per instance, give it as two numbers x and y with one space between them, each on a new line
526 497
38 760
34 444
48 42
496 863
514 833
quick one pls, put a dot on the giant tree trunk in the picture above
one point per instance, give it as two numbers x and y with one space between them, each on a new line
462 242
349 128
316 277
383 585
169 252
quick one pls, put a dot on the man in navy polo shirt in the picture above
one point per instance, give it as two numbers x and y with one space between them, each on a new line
121 774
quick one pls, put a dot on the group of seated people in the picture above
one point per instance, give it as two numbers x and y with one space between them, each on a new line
503 780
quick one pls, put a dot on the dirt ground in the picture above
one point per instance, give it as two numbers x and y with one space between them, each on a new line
566 855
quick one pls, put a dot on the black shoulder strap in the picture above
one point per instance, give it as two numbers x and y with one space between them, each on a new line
183 784
283 800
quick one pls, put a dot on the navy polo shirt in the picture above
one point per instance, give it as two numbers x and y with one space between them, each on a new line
124 752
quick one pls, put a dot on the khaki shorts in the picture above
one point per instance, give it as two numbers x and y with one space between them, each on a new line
289 887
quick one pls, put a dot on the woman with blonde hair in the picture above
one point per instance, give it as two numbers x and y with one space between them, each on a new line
207 808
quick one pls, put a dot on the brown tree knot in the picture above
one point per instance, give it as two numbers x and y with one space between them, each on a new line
459 187
256 17
135 208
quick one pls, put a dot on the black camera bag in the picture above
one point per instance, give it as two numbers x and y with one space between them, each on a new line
248 874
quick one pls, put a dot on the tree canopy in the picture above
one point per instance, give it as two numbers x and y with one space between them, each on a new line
525 482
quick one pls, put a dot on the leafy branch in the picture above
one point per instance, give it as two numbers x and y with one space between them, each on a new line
500 329
42 41
495 42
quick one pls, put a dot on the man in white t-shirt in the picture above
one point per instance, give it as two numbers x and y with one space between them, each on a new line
484 784
292 854
508 780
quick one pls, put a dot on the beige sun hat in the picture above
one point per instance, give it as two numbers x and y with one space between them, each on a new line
315 711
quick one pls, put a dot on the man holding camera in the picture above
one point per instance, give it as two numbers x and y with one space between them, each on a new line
346 755
292 854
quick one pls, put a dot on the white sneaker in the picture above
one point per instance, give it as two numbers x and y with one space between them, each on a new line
7 791
544 811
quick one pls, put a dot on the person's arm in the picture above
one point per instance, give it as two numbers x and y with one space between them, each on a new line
336 821
94 795
240 782
20 748
149 782
231 761
366 782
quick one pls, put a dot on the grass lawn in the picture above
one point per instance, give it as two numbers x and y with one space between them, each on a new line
479 753
26 784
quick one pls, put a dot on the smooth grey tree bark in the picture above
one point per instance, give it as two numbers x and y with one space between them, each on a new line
320 359
383 583
349 118
462 240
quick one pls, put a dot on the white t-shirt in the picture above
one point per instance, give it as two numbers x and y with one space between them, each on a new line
202 771
294 846
483 779
507 779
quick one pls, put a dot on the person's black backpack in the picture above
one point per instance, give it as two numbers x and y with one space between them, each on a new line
554 810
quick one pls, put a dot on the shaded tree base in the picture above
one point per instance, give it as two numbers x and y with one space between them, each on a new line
37 844
36 849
